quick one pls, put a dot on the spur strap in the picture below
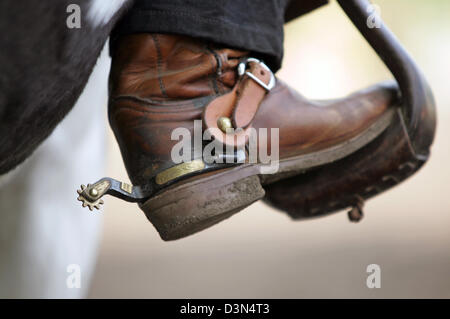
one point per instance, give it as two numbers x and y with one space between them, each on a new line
239 106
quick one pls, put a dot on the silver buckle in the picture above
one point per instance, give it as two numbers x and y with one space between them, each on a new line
242 69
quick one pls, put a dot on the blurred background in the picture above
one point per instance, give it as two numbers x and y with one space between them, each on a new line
260 252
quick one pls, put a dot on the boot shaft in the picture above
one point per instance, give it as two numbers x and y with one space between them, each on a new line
159 83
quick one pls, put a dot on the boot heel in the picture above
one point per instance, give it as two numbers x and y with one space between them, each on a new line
185 209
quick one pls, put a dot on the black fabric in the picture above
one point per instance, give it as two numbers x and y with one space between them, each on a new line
297 8
251 25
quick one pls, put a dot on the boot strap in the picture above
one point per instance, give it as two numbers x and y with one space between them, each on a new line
240 105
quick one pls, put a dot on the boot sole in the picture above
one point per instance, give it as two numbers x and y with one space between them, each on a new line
204 200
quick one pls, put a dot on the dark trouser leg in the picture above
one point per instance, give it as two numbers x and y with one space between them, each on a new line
251 25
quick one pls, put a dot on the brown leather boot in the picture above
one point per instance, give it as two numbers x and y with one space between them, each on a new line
160 83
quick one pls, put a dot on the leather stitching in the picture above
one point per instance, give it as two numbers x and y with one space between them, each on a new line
159 65
218 71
